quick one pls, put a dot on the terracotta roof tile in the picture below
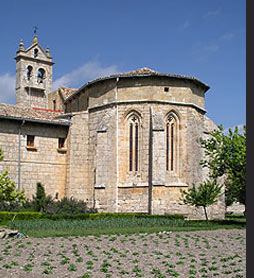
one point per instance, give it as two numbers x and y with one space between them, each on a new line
34 114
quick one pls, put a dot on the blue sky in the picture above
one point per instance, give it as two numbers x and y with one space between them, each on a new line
92 38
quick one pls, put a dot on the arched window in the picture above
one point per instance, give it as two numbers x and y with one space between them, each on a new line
29 72
134 134
171 142
41 75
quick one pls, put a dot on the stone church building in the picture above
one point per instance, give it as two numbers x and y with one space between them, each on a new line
127 142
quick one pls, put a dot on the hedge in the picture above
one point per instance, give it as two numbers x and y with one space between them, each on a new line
8 216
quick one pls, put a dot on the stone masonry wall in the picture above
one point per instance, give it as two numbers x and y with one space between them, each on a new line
113 186
77 184
102 158
44 164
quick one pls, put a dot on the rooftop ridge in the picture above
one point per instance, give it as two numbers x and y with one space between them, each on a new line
144 71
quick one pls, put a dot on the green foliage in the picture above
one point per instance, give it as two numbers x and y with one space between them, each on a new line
49 228
205 195
7 216
40 198
1 155
8 191
67 206
49 206
226 154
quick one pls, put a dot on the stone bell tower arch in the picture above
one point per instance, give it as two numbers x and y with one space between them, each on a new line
33 75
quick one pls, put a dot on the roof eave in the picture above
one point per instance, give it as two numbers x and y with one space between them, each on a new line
206 87
34 120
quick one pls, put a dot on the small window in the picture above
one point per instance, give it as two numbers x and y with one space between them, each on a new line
54 104
166 89
35 52
61 142
30 141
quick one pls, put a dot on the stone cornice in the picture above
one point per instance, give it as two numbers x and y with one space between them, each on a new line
28 58
114 103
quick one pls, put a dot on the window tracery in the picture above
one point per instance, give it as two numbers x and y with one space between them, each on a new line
134 131
171 142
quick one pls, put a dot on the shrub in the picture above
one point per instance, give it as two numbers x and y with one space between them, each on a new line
8 216
68 206
41 200
8 191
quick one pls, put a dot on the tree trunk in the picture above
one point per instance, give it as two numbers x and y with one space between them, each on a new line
206 217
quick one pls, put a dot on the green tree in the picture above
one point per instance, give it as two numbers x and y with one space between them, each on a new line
226 155
40 198
8 191
205 195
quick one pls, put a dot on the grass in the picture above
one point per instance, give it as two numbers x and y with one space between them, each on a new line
55 228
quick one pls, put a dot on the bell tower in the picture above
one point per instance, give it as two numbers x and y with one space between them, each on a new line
33 75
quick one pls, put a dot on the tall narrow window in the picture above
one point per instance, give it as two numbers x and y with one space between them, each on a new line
131 147
54 105
61 142
133 143
29 72
136 147
167 146
172 147
170 143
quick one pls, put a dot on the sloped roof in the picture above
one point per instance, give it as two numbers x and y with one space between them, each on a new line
14 112
144 71
67 92
64 92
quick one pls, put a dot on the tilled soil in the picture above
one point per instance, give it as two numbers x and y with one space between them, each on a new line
218 253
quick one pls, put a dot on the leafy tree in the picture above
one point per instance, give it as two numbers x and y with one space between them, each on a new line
205 195
226 154
8 191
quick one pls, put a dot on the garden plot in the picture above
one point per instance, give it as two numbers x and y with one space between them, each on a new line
217 253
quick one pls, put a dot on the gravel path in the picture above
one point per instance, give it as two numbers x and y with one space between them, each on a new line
218 253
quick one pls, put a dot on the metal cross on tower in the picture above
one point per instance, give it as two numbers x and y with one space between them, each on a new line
35 29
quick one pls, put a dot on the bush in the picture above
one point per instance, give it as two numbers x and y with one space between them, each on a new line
47 205
8 216
68 206
40 199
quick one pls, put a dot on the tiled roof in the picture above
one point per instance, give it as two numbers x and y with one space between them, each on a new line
141 72
32 114
149 72
66 92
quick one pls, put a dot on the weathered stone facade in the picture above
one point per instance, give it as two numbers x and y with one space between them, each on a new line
131 143
43 162
33 75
